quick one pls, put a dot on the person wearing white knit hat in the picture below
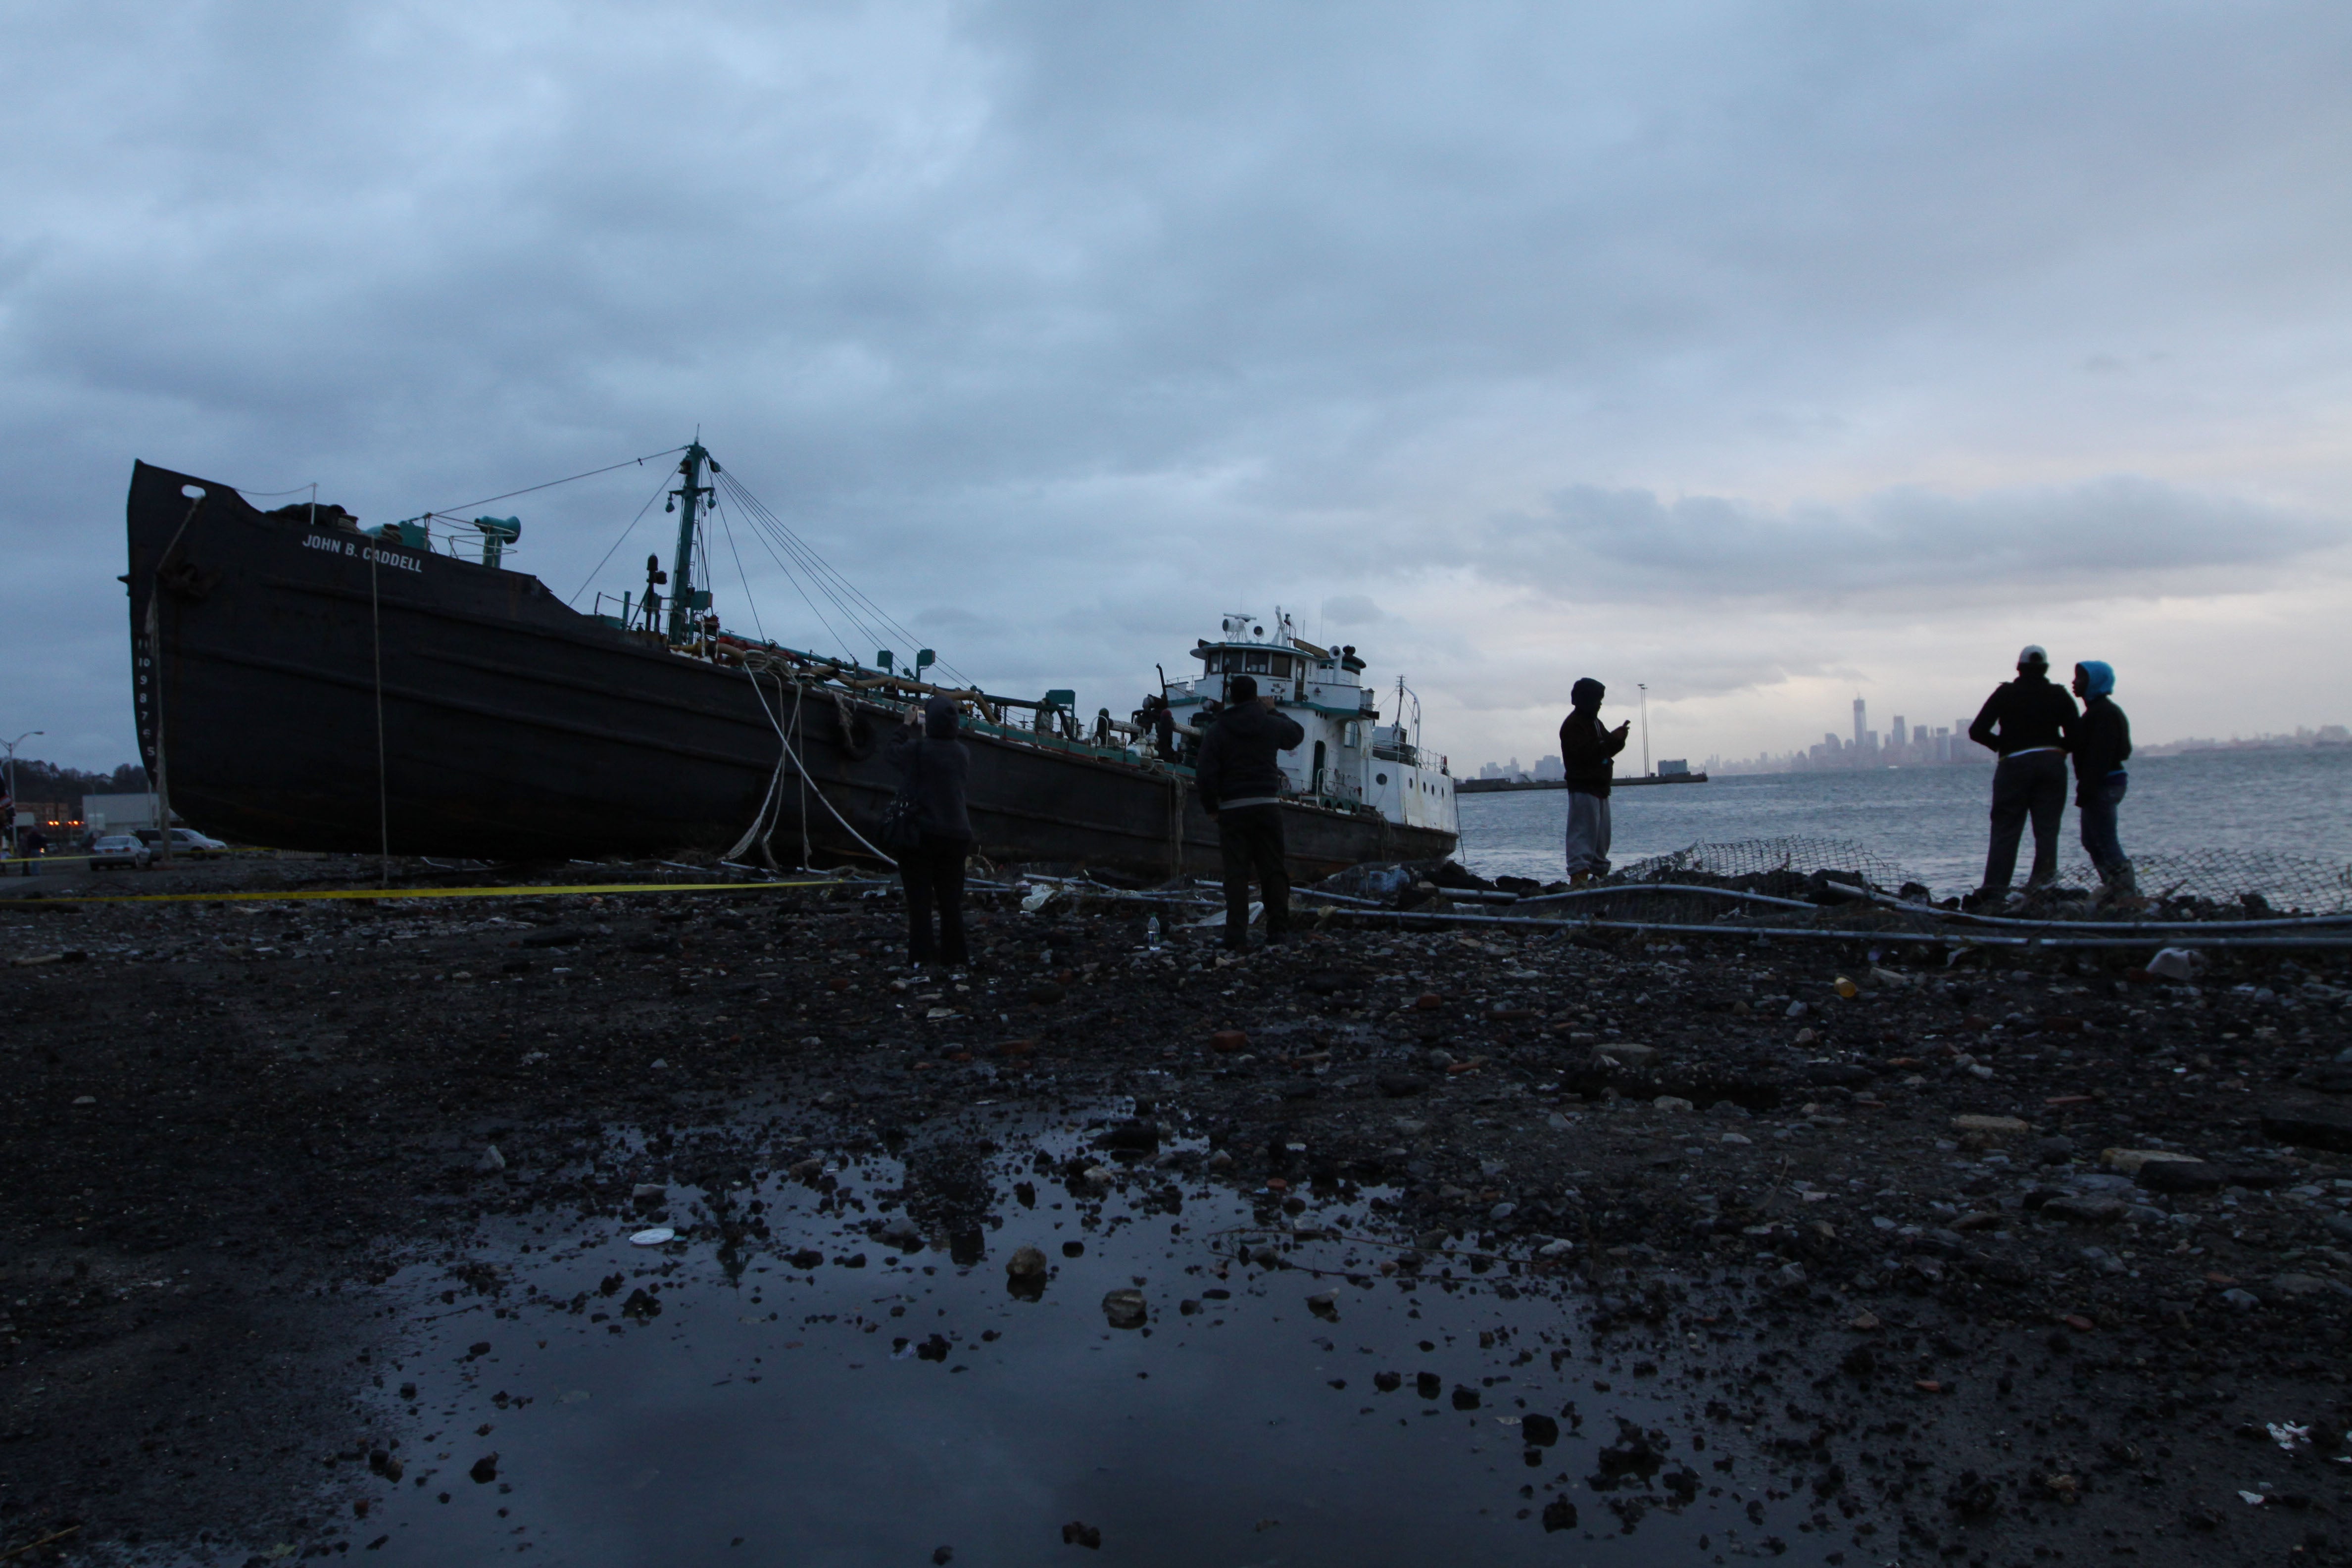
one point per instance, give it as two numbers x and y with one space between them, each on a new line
2026 721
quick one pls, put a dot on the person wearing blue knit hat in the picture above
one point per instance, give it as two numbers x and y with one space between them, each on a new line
2100 742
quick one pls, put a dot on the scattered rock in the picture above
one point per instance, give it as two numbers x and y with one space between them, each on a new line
1137 1136
1992 1126
2313 1126
1026 1263
2180 1176
1124 1308
1078 1533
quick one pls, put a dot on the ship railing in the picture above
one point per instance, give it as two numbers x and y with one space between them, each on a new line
1047 715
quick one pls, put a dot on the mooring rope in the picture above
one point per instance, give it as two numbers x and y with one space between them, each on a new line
763 662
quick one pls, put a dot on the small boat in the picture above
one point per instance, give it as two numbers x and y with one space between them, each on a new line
304 682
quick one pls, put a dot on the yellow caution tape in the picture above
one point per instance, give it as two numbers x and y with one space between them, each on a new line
561 889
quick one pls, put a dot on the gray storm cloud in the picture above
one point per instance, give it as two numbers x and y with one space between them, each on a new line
2112 537
1064 327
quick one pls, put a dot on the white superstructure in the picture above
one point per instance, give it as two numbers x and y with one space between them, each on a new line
1348 757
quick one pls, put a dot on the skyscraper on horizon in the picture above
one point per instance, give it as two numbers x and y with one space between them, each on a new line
1860 724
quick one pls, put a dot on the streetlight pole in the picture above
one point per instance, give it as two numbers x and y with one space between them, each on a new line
15 834
1643 686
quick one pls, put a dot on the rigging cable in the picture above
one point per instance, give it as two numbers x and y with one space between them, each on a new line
633 462
853 602
750 599
794 578
855 605
810 566
623 539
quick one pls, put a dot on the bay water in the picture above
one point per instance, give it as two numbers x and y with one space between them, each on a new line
1933 822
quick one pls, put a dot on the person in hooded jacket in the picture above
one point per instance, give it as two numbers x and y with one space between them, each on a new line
935 767
2100 740
1240 784
1588 750
2026 721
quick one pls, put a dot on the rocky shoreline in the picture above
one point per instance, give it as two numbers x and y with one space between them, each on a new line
2024 1255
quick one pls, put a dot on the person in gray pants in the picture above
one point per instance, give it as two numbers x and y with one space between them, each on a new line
2026 721
1588 751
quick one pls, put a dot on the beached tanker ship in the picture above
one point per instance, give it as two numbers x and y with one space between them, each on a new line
305 683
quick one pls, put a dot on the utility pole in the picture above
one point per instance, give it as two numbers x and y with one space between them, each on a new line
681 577
1643 686
14 833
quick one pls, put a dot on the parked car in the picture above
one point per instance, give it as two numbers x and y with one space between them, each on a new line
120 849
194 845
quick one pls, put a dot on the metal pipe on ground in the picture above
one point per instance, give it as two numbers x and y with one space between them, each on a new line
1920 939
1931 911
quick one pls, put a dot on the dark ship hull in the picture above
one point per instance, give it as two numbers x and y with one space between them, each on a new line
312 686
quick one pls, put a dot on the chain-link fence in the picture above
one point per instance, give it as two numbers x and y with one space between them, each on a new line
2210 882
2242 881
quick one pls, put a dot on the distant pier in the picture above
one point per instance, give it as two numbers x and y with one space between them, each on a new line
1507 786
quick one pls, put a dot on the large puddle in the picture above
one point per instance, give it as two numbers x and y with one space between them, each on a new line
824 1395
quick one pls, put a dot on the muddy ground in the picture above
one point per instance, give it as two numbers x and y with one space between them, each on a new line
1982 1339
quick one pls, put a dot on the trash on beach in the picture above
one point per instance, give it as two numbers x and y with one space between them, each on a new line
653 1238
1037 898
1217 921
2288 1435
2129 1161
2183 963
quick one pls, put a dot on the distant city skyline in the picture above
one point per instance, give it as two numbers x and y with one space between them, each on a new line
1906 744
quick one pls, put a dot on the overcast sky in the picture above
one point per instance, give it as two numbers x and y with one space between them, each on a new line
1770 354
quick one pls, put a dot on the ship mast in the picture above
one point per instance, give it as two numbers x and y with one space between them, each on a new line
681 575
